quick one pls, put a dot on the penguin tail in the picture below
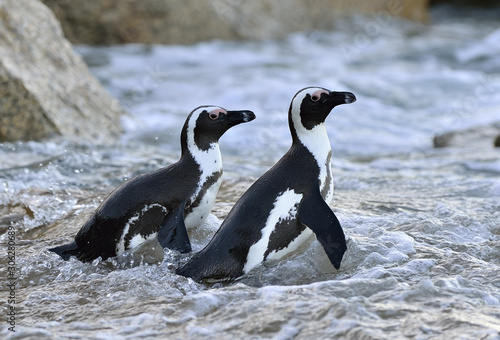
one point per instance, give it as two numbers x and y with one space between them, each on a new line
66 250
190 270
203 269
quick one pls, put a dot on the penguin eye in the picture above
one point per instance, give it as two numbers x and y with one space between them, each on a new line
315 97
215 114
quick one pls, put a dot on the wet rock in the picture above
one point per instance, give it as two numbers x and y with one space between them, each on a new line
189 21
45 88
479 136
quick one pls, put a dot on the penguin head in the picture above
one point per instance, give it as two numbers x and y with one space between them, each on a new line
206 124
311 105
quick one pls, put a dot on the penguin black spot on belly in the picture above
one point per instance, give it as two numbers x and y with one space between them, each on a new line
146 224
283 234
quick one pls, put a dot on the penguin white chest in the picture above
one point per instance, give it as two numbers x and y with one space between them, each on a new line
202 204
318 144
203 199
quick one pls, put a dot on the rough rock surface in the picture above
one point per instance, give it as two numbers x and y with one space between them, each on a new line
189 21
480 136
45 88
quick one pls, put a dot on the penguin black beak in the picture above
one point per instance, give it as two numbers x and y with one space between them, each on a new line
343 97
349 97
238 117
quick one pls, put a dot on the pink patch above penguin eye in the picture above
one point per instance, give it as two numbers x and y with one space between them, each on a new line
214 114
317 95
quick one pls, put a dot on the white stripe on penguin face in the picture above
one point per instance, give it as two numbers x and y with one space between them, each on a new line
210 161
315 140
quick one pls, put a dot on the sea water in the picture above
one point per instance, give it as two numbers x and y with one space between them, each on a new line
422 224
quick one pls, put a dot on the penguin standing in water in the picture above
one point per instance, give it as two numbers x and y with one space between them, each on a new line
284 206
164 202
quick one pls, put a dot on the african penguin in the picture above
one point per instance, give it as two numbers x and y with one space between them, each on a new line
161 203
284 206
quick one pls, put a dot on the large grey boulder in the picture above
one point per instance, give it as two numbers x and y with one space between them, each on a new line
189 21
45 88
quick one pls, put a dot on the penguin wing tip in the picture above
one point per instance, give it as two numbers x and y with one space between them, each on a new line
336 255
336 264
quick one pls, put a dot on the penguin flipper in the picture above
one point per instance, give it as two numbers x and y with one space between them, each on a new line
173 233
315 214
66 250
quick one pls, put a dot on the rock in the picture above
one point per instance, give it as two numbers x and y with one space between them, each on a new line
470 3
189 21
45 88
479 136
